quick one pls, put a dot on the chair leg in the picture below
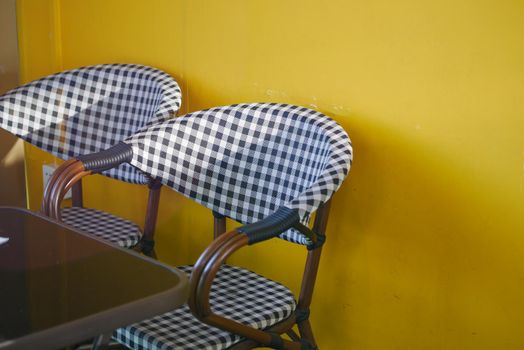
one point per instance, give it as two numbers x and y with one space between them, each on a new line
219 224
152 254
78 198
294 336
147 243
147 247
101 342
306 332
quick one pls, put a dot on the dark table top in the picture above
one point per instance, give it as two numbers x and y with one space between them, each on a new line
59 286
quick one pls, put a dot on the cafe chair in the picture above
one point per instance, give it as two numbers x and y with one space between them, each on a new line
267 166
87 110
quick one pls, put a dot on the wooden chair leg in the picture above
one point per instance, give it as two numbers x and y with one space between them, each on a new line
101 342
306 332
78 197
294 336
146 247
147 244
219 224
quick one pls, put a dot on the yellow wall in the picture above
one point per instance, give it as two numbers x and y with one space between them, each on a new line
426 245
12 187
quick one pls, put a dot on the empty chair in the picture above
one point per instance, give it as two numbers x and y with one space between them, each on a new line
87 110
267 166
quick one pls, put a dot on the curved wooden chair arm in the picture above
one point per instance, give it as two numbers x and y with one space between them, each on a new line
73 170
201 280
64 177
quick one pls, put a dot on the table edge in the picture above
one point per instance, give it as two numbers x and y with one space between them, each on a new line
104 321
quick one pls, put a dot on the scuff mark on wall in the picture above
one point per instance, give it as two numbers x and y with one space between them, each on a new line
276 93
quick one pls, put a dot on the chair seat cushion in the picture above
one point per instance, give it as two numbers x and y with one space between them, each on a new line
101 224
236 293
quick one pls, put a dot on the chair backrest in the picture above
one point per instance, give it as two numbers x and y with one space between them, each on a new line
89 109
245 161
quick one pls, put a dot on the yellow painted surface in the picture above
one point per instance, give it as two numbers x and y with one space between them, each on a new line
12 186
426 245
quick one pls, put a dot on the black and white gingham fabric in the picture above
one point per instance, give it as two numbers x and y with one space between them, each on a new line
106 226
90 109
237 294
245 161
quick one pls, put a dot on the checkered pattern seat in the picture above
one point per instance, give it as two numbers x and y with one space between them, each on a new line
237 293
245 162
119 231
87 110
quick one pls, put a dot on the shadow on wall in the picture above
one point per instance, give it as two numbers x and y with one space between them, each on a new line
12 176
63 137
12 183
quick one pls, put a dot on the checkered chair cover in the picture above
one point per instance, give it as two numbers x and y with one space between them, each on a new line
245 161
87 110
242 161
111 228
237 293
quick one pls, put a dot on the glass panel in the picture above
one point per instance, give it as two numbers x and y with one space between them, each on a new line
50 275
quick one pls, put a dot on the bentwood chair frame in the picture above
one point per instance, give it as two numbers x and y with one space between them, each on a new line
227 243
88 109
224 245
146 244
